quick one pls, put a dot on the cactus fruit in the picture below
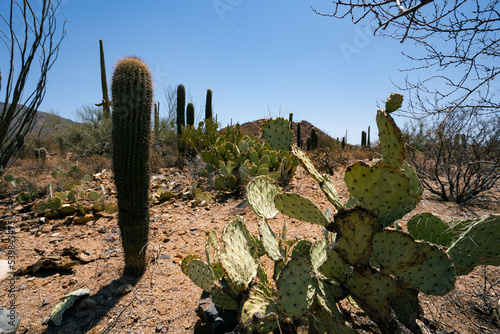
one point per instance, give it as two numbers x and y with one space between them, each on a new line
296 287
132 90
277 133
299 207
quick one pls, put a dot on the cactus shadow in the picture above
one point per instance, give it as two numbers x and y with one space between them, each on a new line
78 320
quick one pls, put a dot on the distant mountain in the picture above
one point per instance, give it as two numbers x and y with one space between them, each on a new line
44 122
254 128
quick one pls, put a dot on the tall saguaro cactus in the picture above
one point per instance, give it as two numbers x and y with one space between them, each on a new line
181 103
132 90
190 114
106 111
208 105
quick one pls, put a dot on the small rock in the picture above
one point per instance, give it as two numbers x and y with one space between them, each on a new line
124 289
86 304
9 322
102 229
194 228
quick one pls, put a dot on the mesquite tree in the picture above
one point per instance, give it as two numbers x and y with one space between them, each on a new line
30 36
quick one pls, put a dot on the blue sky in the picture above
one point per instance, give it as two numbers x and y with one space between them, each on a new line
260 58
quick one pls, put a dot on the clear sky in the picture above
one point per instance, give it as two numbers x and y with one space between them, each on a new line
260 58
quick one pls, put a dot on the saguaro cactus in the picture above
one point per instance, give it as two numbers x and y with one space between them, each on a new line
363 138
157 119
314 139
106 111
190 114
181 102
132 90
299 140
208 105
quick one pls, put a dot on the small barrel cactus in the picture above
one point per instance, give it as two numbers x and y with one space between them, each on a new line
132 90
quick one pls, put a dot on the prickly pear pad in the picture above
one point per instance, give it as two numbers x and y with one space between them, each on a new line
201 274
394 102
307 164
394 251
269 241
373 291
378 188
427 227
296 287
277 133
355 244
333 267
260 196
326 298
331 193
236 258
259 303
391 142
222 299
479 245
433 272
407 309
318 254
299 207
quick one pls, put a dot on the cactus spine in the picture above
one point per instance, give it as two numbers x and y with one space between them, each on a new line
208 105
181 102
132 90
104 83
190 114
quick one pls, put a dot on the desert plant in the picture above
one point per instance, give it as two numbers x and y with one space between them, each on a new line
299 139
208 105
381 269
132 90
190 114
458 159
363 139
106 103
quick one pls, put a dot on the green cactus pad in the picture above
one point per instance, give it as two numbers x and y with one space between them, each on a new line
262 305
222 299
236 257
427 227
277 133
296 287
318 254
378 188
326 298
333 267
433 272
201 274
391 142
394 251
260 196
479 245
394 102
372 290
357 226
269 241
299 207
211 243
331 193
302 248
407 309
307 164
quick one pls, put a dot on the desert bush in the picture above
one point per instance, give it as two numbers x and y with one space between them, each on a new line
458 159
92 135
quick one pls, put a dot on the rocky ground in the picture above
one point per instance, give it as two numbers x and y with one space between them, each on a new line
55 257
